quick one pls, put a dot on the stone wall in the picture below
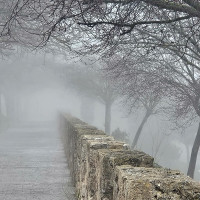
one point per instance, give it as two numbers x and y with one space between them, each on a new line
105 169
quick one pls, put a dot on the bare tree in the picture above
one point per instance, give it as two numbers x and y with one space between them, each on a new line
138 89
163 32
182 81
184 77
92 83
170 56
106 21
150 105
91 26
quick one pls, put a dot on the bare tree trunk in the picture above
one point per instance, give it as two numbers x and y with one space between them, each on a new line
194 153
138 133
188 153
108 106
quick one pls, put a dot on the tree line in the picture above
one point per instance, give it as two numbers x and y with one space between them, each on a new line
150 47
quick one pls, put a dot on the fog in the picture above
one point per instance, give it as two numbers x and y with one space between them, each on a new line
35 88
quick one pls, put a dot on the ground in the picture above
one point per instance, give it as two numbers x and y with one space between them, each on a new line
33 165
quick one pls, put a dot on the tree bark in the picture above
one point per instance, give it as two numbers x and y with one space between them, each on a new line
138 133
188 153
108 106
194 153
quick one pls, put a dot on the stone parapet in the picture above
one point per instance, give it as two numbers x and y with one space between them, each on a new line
105 169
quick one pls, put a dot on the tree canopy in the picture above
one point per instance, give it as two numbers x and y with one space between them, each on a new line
154 43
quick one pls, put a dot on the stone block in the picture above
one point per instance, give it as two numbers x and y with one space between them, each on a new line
139 183
89 144
107 160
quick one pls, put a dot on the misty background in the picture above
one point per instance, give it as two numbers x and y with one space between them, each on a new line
35 87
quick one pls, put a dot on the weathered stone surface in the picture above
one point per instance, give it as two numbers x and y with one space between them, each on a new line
105 169
83 159
72 129
107 160
141 183
90 145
